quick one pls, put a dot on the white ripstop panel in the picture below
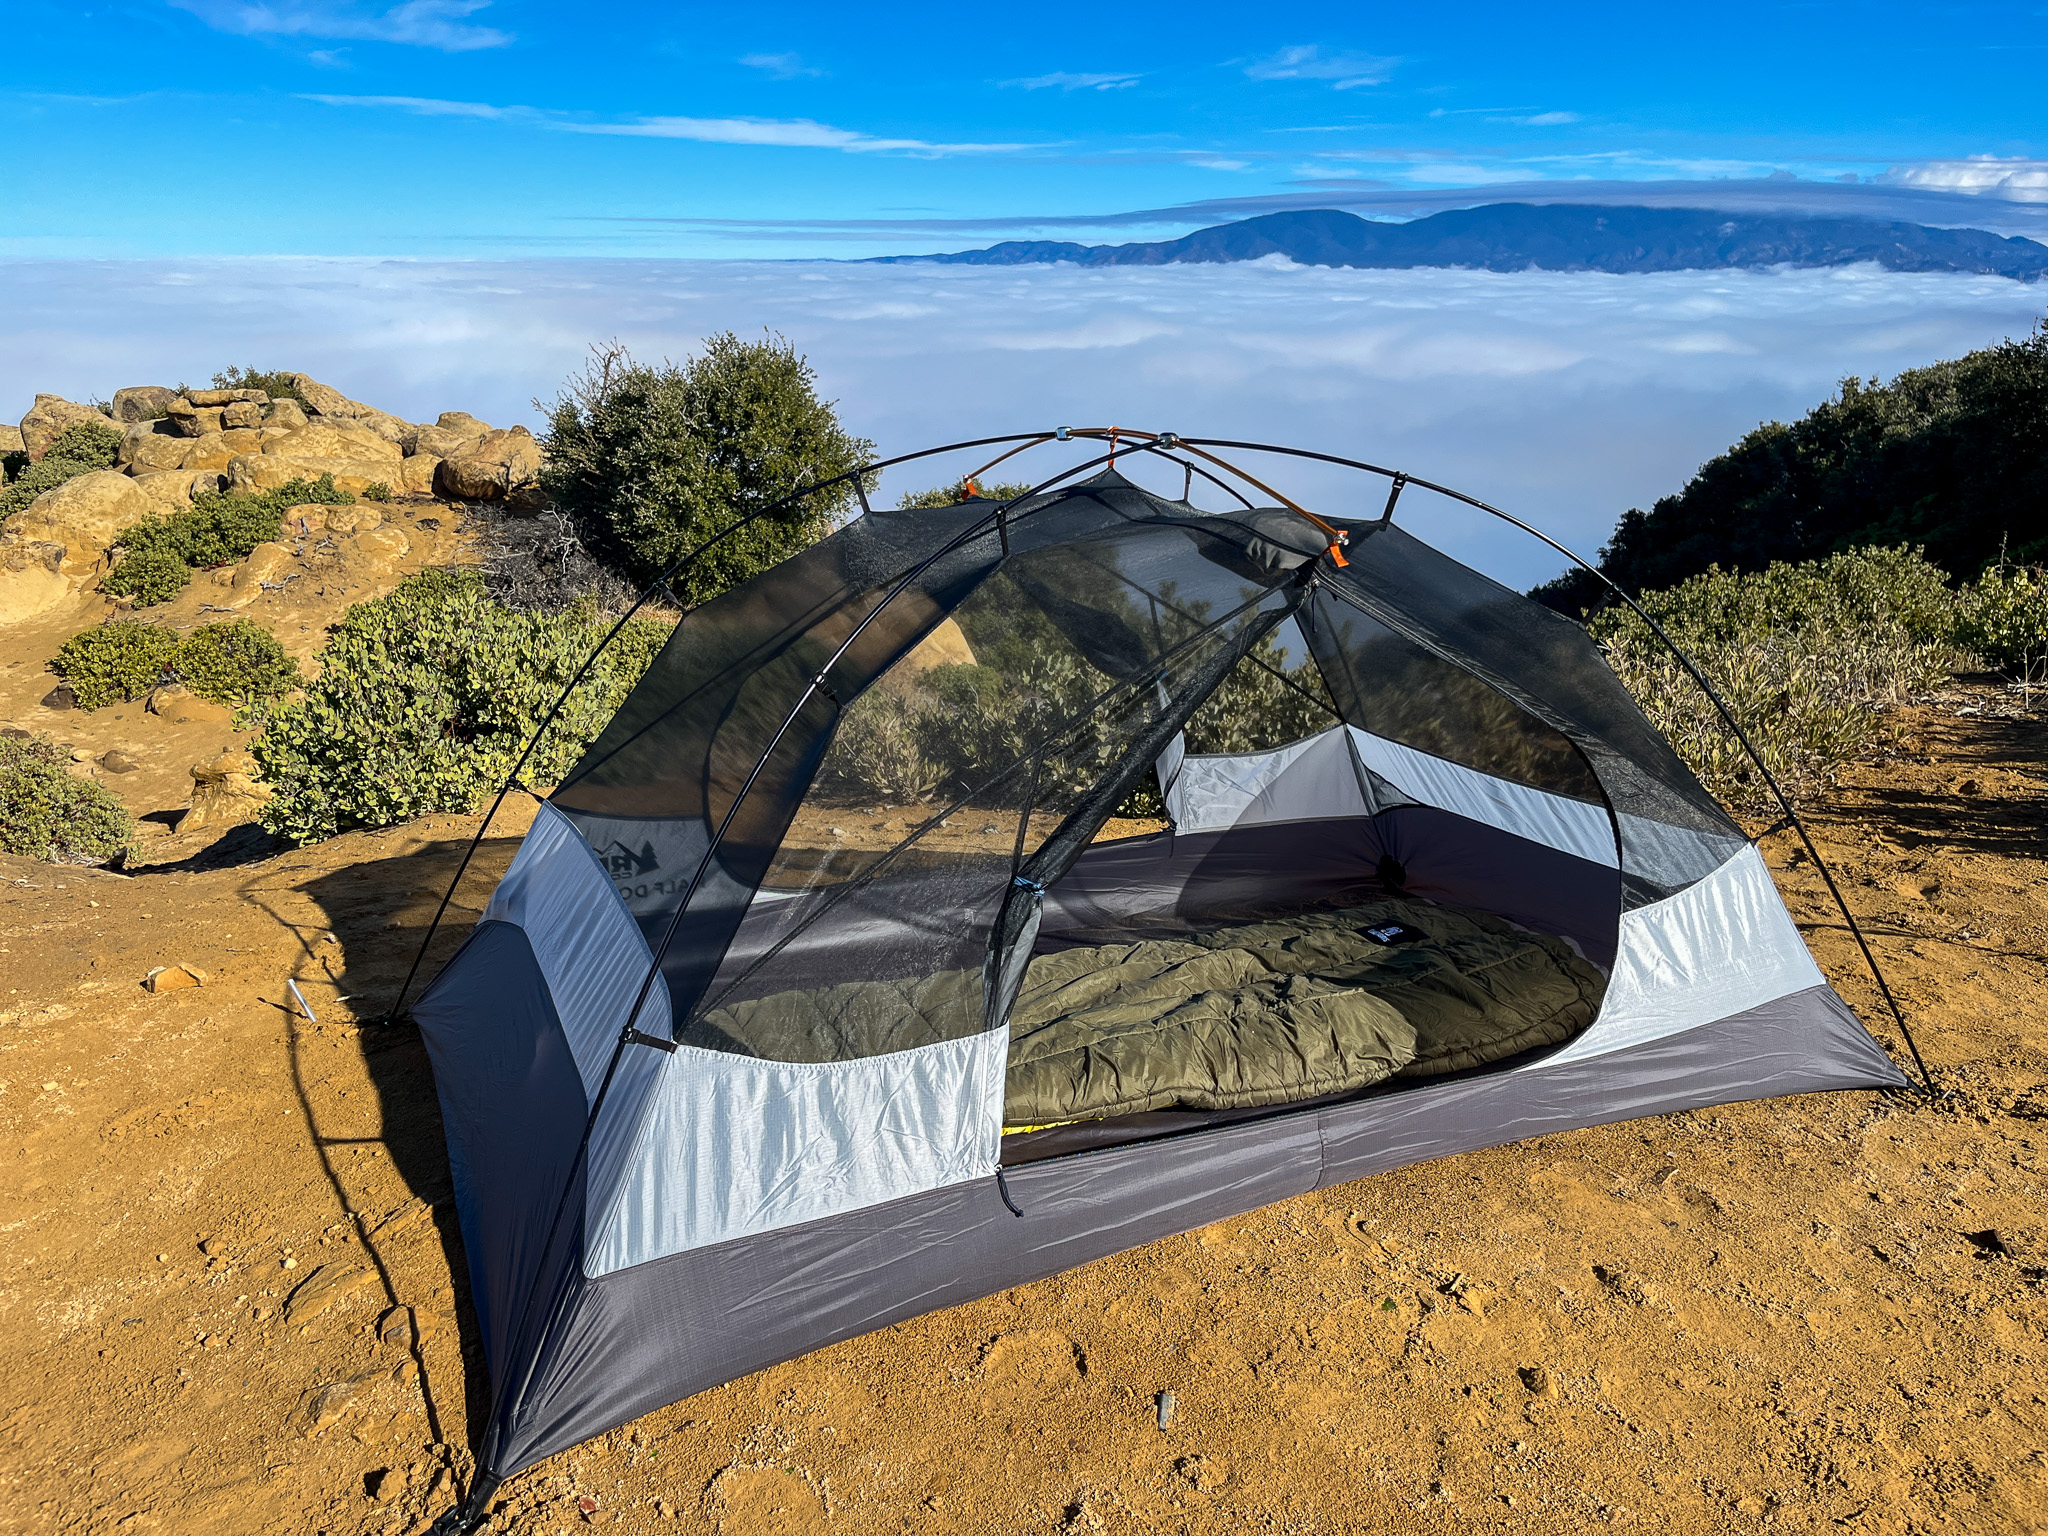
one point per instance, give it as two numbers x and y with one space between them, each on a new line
1308 780
1570 826
588 945
1718 948
732 1145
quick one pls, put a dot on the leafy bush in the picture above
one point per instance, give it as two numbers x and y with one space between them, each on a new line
238 663
376 490
1805 655
220 527
2003 620
424 699
79 449
648 463
279 386
48 812
952 495
93 444
122 659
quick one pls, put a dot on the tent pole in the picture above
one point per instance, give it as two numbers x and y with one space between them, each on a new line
1693 671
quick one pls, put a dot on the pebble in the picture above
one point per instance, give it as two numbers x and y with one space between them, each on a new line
1165 1404
118 761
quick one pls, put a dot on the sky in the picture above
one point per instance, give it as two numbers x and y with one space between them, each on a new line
503 128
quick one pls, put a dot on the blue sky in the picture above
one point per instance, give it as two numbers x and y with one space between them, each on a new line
499 128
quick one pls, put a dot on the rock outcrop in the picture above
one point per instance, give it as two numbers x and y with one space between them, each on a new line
225 792
58 542
50 415
503 466
141 402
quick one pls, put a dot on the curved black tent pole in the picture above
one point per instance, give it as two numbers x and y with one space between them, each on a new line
1692 670
660 584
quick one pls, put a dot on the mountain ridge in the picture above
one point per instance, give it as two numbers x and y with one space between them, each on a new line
1558 237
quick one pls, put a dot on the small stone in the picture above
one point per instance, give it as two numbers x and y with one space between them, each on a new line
586 1506
1537 1379
60 697
837 831
1969 787
209 1246
1164 1404
174 978
118 761
163 1258
81 754
290 1263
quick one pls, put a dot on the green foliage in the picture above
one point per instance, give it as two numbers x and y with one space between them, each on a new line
648 463
424 699
221 527
48 812
278 386
150 575
238 663
376 490
2003 621
30 480
94 444
1806 656
122 659
952 495
1261 705
1952 457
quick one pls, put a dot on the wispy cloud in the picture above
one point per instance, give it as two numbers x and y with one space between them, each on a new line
1544 119
1061 80
780 66
779 133
441 24
2019 178
1307 61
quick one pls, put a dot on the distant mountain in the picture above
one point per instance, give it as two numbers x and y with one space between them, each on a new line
1564 237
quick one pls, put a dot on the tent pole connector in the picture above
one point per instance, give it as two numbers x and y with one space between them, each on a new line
634 1035
1003 1189
1393 495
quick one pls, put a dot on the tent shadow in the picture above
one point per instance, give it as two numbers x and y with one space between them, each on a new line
378 912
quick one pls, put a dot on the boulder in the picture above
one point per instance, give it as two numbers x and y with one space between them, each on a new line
270 472
323 399
464 423
166 490
391 428
504 466
442 442
10 440
118 761
174 978
225 792
345 439
52 547
356 519
141 402
217 450
50 415
419 474
181 706
243 413
285 412
149 447
189 420
227 397
266 563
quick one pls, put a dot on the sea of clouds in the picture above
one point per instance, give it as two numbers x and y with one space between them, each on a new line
1562 397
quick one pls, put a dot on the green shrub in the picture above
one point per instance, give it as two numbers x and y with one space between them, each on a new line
1806 657
238 663
648 463
424 699
279 386
2003 621
48 812
376 490
219 528
951 495
95 444
122 659
148 575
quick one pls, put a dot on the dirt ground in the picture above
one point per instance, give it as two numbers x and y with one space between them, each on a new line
1814 1314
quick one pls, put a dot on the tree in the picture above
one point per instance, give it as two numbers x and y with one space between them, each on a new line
648 463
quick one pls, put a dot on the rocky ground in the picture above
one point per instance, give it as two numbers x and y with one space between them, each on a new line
233 1295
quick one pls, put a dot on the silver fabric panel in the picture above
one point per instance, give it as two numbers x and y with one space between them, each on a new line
1309 780
733 1145
1570 826
648 1336
588 946
1720 947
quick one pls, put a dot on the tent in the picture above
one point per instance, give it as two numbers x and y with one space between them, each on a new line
827 990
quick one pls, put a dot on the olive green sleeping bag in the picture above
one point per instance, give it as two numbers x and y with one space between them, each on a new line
1264 1013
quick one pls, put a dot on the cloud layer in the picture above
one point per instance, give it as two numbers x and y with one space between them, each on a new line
441 24
1563 397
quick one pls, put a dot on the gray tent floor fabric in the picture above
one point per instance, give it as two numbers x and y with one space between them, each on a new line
681 1324
1285 1010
